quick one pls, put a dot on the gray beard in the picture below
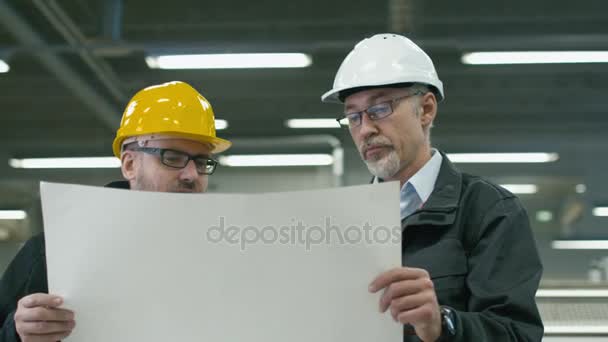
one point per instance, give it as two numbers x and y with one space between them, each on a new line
385 167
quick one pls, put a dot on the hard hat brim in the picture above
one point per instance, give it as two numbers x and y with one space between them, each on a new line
219 145
333 95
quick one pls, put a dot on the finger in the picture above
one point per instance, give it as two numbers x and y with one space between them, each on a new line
383 304
45 328
420 316
411 302
40 299
45 338
403 288
43 314
396 274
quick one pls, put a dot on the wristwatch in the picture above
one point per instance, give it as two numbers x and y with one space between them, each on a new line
448 323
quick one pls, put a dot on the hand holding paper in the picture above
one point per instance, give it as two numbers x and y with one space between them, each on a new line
410 295
39 319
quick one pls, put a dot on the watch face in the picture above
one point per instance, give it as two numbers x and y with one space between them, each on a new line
447 322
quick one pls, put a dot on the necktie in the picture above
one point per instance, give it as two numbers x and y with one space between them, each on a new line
410 201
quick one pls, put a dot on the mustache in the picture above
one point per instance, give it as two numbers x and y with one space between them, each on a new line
374 141
185 185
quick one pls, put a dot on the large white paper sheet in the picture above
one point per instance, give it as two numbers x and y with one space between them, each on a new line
142 266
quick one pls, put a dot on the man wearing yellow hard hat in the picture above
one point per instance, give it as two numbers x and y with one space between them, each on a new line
165 143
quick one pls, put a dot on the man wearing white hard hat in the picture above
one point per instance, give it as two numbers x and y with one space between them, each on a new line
470 264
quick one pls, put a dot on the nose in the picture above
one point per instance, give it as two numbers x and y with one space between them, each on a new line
368 127
189 172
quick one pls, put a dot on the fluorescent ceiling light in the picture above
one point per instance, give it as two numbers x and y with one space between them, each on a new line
230 61
576 329
277 160
580 188
544 216
600 211
503 157
579 244
3 66
572 293
312 123
12 215
521 188
534 57
65 163
221 124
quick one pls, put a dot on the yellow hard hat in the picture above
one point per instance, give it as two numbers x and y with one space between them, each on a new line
173 109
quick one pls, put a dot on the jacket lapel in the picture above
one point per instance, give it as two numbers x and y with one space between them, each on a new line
442 205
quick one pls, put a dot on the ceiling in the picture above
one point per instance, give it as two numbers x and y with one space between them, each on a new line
68 67
75 63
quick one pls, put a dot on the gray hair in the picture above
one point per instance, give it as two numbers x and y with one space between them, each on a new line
421 88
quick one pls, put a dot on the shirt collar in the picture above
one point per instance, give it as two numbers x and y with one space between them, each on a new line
424 180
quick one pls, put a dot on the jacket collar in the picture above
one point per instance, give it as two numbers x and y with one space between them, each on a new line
440 208
118 185
446 195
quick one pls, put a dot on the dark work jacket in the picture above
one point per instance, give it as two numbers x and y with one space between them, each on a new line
474 239
25 275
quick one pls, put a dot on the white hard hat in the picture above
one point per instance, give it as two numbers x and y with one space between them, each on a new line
384 59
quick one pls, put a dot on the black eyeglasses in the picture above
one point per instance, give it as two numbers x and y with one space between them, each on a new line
179 160
375 112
